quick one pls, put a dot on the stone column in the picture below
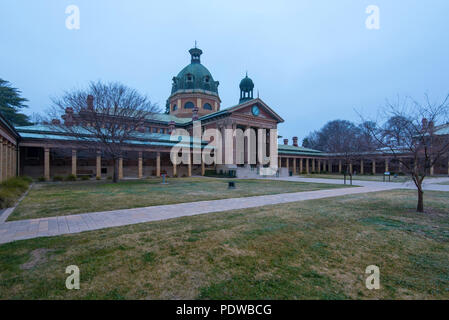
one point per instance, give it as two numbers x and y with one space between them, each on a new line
2 159
98 164
139 169
307 166
174 167
339 166
287 165
203 168
300 165
120 168
361 167
294 166
11 160
319 166
158 164
432 170
350 167
189 165
329 166
400 166
279 162
47 163
74 162
374 166
14 161
5 160
386 165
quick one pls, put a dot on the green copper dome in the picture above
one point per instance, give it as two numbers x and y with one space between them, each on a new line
195 76
246 89
246 84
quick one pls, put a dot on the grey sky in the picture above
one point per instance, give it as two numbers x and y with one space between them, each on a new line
312 61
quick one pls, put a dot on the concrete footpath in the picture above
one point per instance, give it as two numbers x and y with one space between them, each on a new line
53 226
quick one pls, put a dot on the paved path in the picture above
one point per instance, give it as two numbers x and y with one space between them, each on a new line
44 227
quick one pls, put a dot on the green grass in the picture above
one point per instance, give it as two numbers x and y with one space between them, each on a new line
378 177
316 249
55 199
11 190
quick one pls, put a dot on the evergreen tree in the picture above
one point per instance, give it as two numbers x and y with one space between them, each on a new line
11 104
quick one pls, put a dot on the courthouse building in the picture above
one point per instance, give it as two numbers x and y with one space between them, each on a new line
41 151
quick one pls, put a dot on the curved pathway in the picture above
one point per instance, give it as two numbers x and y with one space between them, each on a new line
44 227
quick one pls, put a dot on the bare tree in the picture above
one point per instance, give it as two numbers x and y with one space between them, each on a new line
410 130
343 138
105 116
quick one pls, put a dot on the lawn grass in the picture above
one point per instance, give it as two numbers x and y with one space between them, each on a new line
357 177
315 249
64 198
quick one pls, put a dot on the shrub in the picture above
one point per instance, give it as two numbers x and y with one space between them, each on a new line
109 177
70 177
12 189
84 178
98 178
58 178
41 179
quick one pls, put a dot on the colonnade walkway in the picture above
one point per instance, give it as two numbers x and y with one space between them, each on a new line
53 226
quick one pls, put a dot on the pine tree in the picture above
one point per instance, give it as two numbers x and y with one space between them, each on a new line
11 103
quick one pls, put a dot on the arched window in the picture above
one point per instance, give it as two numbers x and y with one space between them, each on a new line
207 106
174 107
206 79
189 105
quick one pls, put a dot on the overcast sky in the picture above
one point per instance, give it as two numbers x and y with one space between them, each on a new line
312 61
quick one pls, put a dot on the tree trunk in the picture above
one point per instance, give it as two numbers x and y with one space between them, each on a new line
115 173
420 207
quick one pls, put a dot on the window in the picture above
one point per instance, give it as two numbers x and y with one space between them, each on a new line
207 106
174 107
154 130
189 105
189 78
161 130
206 79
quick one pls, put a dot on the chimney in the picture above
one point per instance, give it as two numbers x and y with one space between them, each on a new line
424 123
171 126
195 114
68 116
295 141
286 141
90 102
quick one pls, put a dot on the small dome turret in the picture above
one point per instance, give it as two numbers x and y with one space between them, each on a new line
246 89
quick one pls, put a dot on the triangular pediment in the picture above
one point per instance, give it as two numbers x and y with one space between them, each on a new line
264 111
